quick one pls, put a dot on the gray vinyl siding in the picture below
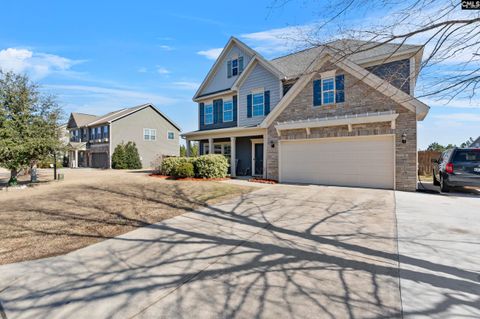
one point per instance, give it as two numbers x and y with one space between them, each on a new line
220 80
258 78
130 128
396 72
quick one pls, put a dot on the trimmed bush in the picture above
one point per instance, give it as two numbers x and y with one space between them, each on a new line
170 165
211 166
185 170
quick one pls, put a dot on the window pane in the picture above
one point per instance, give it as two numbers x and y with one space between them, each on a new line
171 135
217 149
328 97
258 99
227 150
328 84
209 114
234 63
227 106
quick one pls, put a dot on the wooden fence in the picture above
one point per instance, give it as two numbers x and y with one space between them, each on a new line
425 165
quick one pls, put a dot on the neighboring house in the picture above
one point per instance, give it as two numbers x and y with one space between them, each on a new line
476 143
94 138
315 116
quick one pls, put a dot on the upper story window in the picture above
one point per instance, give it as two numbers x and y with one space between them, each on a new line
171 135
74 136
105 131
329 90
235 66
228 111
258 104
208 114
149 134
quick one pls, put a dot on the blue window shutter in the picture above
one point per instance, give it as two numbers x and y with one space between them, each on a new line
240 64
219 110
202 114
234 99
340 88
266 101
229 68
317 92
249 105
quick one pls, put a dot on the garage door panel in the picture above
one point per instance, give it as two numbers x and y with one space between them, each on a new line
360 161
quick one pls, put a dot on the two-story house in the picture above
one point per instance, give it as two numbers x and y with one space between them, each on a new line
94 138
338 114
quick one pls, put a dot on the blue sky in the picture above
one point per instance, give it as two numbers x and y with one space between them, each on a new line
98 56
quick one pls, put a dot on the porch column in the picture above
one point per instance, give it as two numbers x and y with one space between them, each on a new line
233 156
265 147
76 159
210 146
188 146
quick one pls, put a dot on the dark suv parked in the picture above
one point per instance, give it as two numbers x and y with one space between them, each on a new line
457 167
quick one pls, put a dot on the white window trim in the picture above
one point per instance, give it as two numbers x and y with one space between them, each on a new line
224 102
168 135
254 92
205 114
334 90
148 132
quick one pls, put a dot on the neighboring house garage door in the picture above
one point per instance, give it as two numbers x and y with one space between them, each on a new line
343 161
100 160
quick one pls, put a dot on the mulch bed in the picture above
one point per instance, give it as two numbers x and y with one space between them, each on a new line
263 181
189 178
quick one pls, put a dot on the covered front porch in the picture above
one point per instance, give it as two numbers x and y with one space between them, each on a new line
244 147
77 154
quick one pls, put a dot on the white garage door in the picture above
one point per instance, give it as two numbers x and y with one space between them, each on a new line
345 161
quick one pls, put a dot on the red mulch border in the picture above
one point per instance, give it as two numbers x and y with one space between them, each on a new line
195 179
263 181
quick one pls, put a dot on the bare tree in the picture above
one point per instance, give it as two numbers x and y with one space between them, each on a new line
450 37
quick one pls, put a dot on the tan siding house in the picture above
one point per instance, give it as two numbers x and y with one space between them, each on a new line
93 138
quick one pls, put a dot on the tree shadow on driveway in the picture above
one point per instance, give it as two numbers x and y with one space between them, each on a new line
285 252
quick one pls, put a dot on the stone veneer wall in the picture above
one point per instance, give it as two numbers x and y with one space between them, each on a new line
359 98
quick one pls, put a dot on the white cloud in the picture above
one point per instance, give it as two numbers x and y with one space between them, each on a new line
280 40
211 54
186 85
132 97
165 47
38 65
162 70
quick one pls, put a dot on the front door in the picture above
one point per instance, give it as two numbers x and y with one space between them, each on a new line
257 159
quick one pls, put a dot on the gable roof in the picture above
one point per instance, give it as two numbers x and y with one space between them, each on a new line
80 119
476 143
253 62
232 41
117 115
383 86
295 64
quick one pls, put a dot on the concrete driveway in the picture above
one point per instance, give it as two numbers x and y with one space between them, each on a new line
439 249
280 252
